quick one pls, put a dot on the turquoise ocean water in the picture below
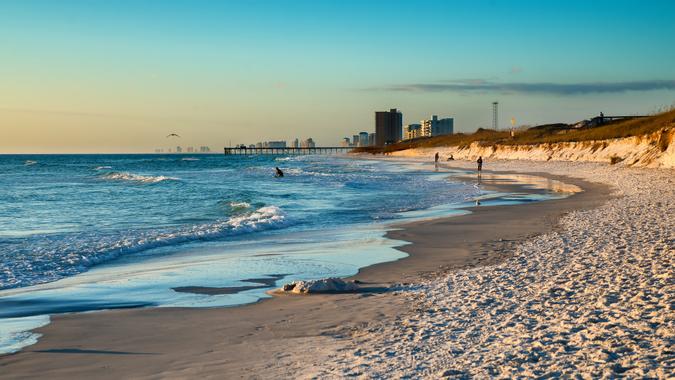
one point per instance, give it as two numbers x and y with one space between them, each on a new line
90 232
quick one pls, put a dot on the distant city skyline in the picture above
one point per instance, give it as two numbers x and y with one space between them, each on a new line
98 76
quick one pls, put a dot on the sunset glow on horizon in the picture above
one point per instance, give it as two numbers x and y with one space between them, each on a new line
95 76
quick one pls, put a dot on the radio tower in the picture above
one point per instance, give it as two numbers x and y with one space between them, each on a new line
495 120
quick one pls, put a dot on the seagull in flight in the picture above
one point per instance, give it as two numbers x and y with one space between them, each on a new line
172 135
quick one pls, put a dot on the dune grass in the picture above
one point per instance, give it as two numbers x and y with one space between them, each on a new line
551 133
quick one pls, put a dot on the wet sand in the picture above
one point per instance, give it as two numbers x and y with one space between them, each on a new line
263 283
286 336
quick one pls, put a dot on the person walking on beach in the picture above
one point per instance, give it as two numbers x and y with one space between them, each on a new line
436 157
480 164
278 173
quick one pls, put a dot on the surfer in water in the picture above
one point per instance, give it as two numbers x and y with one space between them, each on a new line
278 173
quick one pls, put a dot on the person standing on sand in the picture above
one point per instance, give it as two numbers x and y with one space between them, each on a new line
436 157
480 163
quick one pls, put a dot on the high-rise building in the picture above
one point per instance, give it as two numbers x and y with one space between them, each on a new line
388 127
371 139
437 127
345 142
295 143
444 126
204 149
363 139
309 143
412 131
427 126
276 144
355 140
179 149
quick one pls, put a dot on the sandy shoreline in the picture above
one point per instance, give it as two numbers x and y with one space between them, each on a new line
592 298
283 336
129 342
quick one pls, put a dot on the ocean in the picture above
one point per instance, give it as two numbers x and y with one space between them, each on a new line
91 232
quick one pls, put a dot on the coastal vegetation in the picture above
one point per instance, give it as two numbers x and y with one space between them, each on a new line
542 134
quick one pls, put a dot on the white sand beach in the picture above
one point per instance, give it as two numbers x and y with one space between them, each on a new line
594 298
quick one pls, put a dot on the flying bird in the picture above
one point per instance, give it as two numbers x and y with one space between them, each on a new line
172 135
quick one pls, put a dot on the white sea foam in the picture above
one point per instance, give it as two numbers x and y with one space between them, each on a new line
122 176
263 218
30 162
240 204
72 256
189 159
103 167
15 333
269 215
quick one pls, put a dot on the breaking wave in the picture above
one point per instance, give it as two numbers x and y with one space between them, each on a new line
122 176
239 204
61 257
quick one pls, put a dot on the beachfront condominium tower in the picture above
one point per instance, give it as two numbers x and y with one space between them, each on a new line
345 143
437 127
309 143
276 144
388 127
412 131
363 139
444 126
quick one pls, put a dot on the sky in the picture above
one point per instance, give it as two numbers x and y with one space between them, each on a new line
119 76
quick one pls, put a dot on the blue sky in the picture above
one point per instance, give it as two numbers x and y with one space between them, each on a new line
115 76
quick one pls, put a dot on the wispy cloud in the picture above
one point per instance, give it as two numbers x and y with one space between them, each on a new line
477 85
